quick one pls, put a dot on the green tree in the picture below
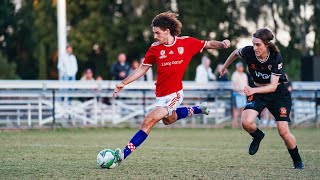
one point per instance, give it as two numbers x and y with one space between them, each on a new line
115 26
19 44
45 36
7 70
211 20
8 26
290 14
315 21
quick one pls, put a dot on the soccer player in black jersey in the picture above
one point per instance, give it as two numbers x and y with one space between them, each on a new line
265 66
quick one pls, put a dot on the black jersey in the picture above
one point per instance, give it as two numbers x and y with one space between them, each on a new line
261 71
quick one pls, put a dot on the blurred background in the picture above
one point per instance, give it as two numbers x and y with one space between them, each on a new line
46 46
101 29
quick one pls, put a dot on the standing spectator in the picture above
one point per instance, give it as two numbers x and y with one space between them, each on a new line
204 72
120 70
224 77
87 75
239 81
67 65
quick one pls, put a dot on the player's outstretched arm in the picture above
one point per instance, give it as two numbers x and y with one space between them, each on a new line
230 59
217 44
136 74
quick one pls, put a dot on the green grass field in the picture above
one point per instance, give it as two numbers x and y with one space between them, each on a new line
166 154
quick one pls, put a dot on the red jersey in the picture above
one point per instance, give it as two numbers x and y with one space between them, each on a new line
172 61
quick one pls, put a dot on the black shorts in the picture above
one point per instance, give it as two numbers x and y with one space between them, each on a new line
278 103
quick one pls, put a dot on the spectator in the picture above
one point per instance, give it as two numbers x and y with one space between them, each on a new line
134 65
99 78
149 75
120 70
239 81
87 75
204 72
221 78
68 65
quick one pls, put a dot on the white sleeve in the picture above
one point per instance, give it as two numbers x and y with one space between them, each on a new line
61 67
211 75
233 80
74 65
198 74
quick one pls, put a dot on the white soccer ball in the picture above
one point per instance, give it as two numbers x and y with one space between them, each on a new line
107 159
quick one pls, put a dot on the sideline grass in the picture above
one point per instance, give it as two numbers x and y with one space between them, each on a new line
166 154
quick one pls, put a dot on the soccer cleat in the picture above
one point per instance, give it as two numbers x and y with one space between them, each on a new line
298 165
204 107
119 155
254 146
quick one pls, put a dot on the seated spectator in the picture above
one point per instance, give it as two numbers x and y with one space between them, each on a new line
120 69
222 78
99 78
134 65
87 75
149 75
204 72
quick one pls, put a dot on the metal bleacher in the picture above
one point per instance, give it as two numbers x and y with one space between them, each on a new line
45 103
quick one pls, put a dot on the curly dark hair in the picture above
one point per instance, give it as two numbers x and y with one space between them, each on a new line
168 20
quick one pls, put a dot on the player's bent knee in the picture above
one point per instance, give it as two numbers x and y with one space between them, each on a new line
246 123
246 126
169 120
166 122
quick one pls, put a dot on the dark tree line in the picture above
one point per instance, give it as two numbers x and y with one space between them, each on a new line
101 29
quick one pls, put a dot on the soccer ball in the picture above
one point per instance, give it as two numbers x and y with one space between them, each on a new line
107 159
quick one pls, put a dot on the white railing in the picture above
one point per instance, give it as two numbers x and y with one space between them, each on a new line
38 103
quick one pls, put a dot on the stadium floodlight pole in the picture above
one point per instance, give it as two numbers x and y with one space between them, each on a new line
62 27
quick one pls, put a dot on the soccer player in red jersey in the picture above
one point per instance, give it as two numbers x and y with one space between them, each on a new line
172 55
